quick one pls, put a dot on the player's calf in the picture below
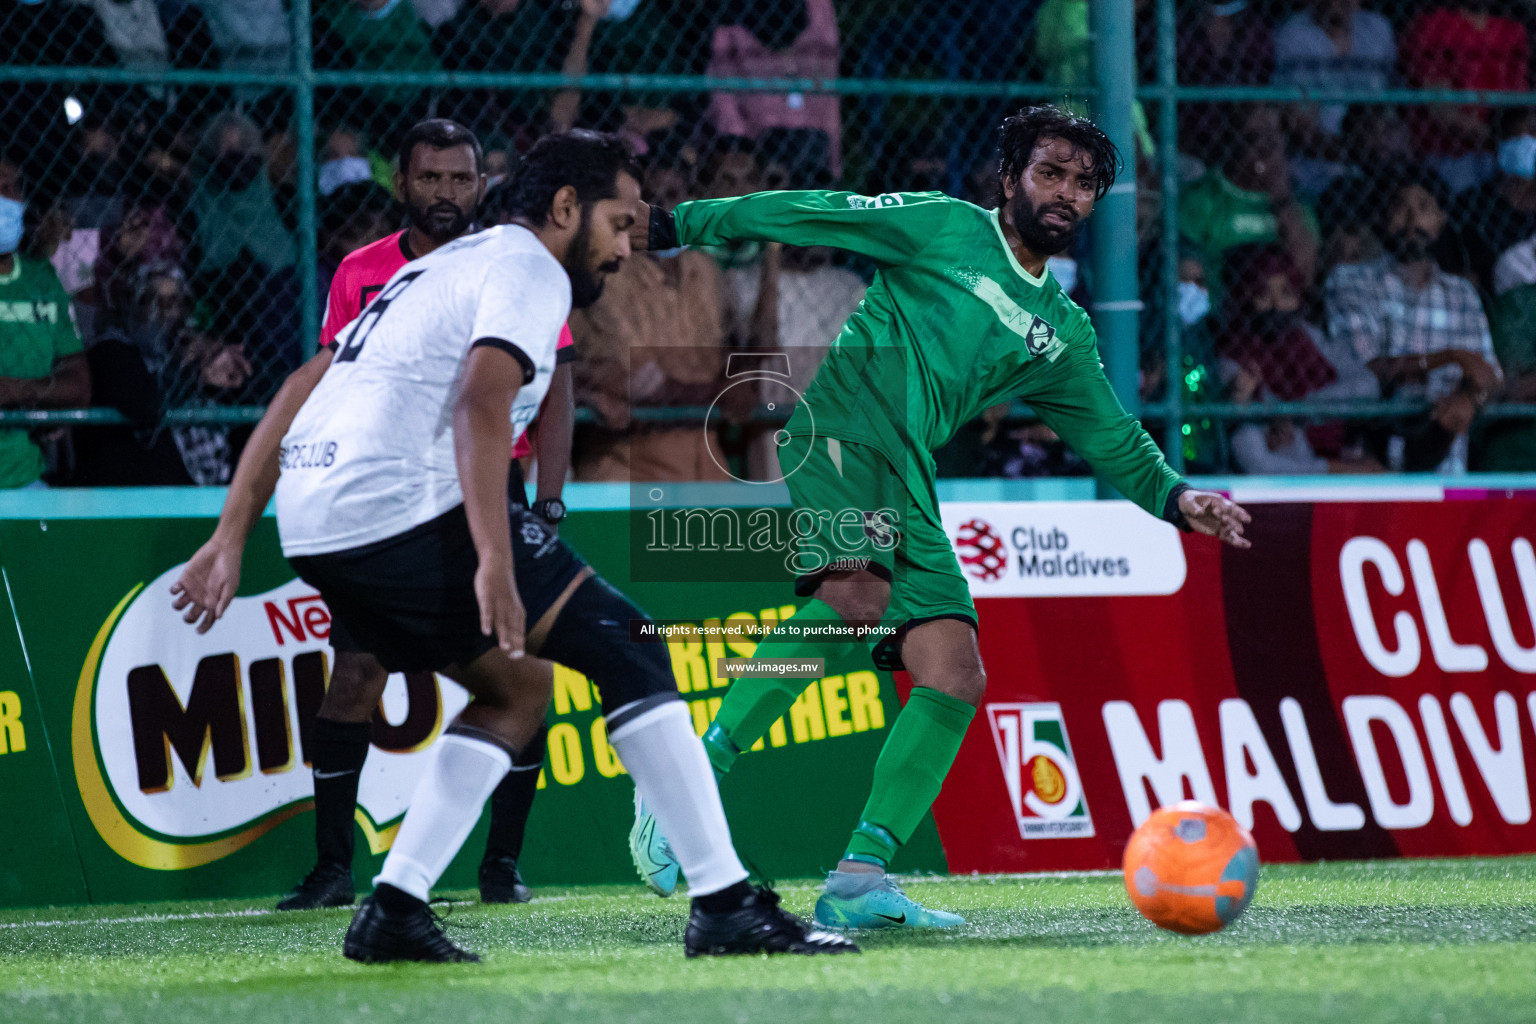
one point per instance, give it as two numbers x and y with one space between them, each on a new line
338 747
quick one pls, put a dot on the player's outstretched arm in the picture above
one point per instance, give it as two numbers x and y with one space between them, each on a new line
891 229
212 575
1076 400
482 435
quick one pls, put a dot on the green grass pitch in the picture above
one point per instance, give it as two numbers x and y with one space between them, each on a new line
1387 941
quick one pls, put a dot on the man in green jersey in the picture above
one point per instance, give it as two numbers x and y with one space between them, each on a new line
42 363
962 315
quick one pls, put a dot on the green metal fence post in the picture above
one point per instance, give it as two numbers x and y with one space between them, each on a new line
1168 280
1111 25
304 128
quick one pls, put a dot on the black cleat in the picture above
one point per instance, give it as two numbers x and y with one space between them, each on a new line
757 926
326 885
379 936
501 882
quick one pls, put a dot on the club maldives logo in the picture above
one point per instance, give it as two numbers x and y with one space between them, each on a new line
1043 783
1063 549
981 551
188 747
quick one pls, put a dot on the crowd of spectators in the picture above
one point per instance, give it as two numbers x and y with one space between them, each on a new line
1352 252
1348 251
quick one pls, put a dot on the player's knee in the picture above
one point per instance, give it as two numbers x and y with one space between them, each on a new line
963 679
970 685
357 683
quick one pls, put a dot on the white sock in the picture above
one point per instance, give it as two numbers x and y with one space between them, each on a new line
447 803
672 774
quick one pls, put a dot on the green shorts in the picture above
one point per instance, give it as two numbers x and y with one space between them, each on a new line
852 511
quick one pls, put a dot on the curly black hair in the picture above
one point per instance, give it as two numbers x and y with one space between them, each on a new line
590 161
1021 132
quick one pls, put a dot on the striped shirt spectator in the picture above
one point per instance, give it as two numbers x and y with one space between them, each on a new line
1376 312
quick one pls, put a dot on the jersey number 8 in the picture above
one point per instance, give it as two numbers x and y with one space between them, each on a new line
372 315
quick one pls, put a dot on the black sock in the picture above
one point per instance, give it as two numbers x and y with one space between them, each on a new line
396 901
513 799
338 752
730 898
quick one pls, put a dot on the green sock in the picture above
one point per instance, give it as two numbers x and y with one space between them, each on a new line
751 706
917 754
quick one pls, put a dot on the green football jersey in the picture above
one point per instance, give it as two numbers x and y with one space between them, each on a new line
36 331
951 325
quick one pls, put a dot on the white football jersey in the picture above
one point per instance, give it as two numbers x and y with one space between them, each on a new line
370 454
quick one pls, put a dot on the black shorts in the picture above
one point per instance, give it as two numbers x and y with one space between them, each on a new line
410 600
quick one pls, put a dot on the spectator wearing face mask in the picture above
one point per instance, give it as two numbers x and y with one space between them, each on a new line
1495 216
1250 200
1420 330
1196 376
233 202
1270 352
41 366
347 159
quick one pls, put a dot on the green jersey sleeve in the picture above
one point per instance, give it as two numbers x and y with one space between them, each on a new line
891 229
66 339
1076 401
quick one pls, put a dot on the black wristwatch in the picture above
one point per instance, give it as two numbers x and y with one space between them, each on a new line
551 510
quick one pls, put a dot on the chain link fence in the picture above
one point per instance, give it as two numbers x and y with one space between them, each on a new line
1337 255
1342 218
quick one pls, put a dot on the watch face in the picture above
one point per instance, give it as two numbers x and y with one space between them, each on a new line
553 509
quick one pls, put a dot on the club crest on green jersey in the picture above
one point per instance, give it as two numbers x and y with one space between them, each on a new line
1039 335
875 202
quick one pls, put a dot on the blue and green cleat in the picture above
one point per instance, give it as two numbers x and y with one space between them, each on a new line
651 852
870 900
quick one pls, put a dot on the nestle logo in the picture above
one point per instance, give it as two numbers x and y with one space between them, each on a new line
307 617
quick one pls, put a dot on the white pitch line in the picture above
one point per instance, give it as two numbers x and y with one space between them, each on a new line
196 916
1024 876
258 912
140 919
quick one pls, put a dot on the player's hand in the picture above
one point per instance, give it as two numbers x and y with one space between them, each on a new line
640 230
1215 516
501 611
208 583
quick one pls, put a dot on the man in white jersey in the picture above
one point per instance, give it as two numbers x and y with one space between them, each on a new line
392 503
